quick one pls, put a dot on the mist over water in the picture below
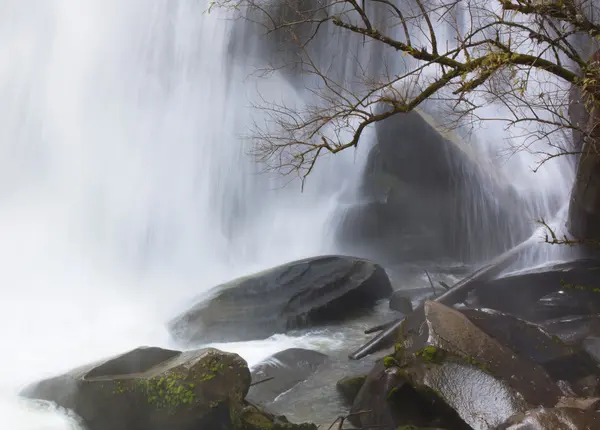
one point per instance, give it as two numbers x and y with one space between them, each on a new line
124 187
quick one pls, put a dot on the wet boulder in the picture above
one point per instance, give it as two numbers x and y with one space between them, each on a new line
471 369
349 387
154 388
452 331
458 208
281 372
556 418
399 302
555 291
561 361
301 294
432 388
573 329
374 406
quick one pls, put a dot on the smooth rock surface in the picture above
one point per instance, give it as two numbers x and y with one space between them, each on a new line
349 387
457 208
579 280
452 331
530 341
306 293
153 388
550 419
286 368
399 302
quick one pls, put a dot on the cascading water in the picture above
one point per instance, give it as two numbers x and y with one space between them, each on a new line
124 187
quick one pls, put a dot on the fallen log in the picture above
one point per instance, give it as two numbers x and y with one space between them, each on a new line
456 294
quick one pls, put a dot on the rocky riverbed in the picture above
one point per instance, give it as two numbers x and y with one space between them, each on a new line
483 363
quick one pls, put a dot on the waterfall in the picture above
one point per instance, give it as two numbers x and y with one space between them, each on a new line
125 187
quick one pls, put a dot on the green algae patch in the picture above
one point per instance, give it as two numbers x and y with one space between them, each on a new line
255 418
431 354
389 362
170 391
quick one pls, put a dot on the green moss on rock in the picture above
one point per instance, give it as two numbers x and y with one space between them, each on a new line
254 418
350 386
389 362
431 354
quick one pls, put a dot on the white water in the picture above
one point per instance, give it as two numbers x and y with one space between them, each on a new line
123 188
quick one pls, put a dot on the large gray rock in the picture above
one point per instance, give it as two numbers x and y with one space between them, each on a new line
452 331
459 369
427 392
300 294
426 196
282 371
561 361
349 387
152 388
577 283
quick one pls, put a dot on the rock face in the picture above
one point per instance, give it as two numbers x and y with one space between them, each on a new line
472 369
286 368
578 282
452 209
349 387
452 331
150 388
399 302
561 361
304 293
558 418
153 388
584 207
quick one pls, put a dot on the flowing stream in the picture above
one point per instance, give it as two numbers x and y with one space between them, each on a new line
125 190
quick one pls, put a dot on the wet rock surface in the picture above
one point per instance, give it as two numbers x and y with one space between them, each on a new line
452 331
305 293
154 388
560 360
472 369
282 371
558 418
399 302
349 387
556 291
408 213
452 368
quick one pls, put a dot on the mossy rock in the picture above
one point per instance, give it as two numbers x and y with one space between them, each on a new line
452 331
393 399
255 418
149 388
349 387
